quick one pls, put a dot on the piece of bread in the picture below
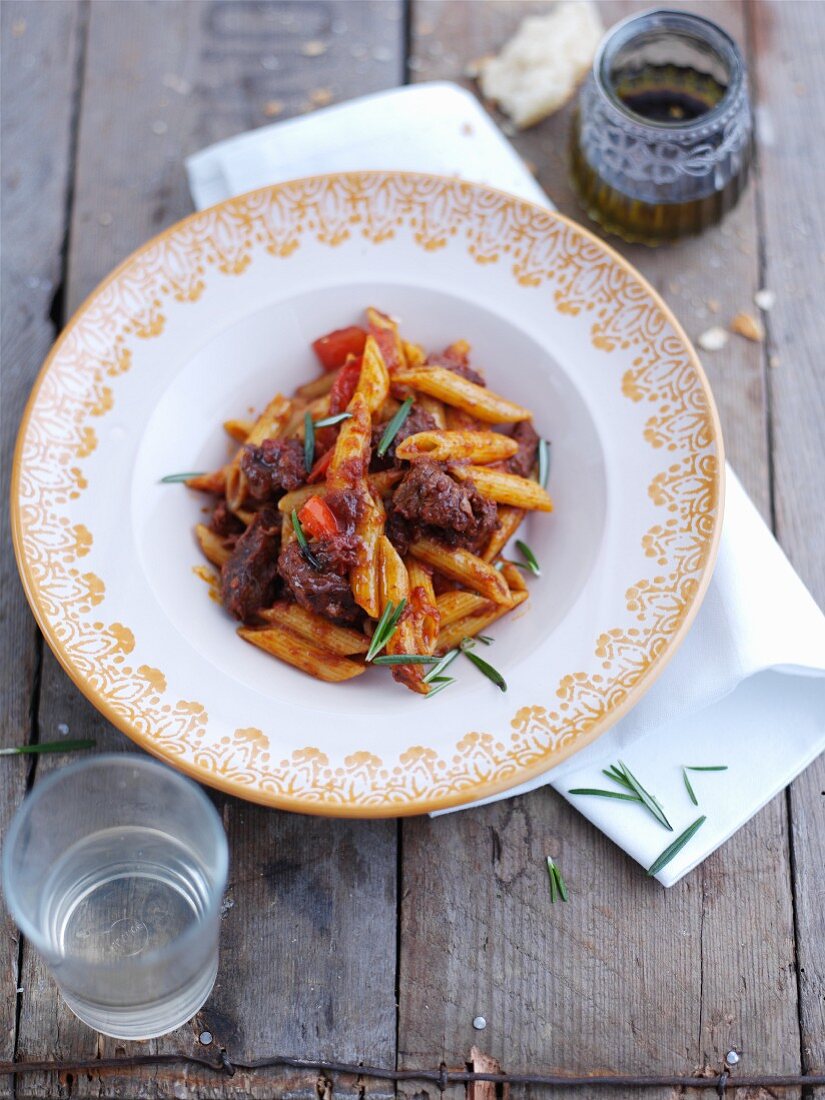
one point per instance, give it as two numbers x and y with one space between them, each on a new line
539 68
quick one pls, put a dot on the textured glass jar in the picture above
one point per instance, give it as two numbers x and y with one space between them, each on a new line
661 142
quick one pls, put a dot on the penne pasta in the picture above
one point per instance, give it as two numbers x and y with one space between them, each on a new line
434 407
394 587
457 420
425 615
380 484
504 488
350 457
444 446
302 654
373 381
238 429
318 386
452 389
364 575
269 425
385 332
212 545
450 636
414 354
317 629
514 577
209 483
460 565
456 605
509 521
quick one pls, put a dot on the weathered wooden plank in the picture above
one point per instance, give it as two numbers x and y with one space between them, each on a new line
625 976
312 902
789 49
40 46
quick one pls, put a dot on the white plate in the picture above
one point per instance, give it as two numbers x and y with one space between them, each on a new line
215 315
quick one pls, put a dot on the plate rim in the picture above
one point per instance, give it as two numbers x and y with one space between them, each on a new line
465 796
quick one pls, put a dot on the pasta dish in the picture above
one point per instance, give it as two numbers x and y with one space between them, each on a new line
363 520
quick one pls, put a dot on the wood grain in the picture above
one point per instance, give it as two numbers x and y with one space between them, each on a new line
160 82
789 63
623 977
40 46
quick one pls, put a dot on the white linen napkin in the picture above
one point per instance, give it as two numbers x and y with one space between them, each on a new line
747 687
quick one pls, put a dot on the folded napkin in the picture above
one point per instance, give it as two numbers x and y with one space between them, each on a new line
747 687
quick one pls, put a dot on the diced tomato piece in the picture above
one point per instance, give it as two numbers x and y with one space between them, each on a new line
334 348
317 519
344 386
319 470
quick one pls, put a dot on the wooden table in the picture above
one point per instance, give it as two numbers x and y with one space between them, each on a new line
381 941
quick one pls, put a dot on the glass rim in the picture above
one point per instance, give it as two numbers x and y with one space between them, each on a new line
23 812
715 36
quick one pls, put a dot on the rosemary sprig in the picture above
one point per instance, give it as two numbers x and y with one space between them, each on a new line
649 801
485 639
677 845
605 794
302 541
406 659
558 889
689 788
50 746
706 767
544 462
391 429
309 442
171 478
529 557
330 421
385 627
491 673
445 662
441 683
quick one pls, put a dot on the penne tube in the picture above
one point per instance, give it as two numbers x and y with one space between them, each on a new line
212 545
351 454
296 419
318 386
364 575
504 488
509 521
414 354
214 482
434 407
373 381
380 483
317 629
460 565
385 332
269 425
238 429
387 410
456 605
287 530
444 446
452 635
302 654
452 389
394 587
425 615
514 577
457 420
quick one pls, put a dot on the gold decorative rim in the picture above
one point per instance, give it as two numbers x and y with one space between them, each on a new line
677 598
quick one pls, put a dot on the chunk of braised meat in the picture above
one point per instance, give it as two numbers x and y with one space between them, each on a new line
399 531
249 578
323 590
452 511
418 420
456 358
524 459
274 468
225 523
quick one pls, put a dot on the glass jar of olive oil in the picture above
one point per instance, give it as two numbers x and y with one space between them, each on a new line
661 141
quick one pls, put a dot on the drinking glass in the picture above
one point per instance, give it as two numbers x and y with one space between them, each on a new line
661 142
114 869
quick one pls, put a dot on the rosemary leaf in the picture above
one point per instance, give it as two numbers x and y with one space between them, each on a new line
485 639
445 661
544 462
650 802
172 478
560 882
302 541
330 421
706 767
605 794
529 557
677 845
558 889
50 746
613 773
482 666
444 682
405 659
689 789
391 429
385 628
309 442
553 886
